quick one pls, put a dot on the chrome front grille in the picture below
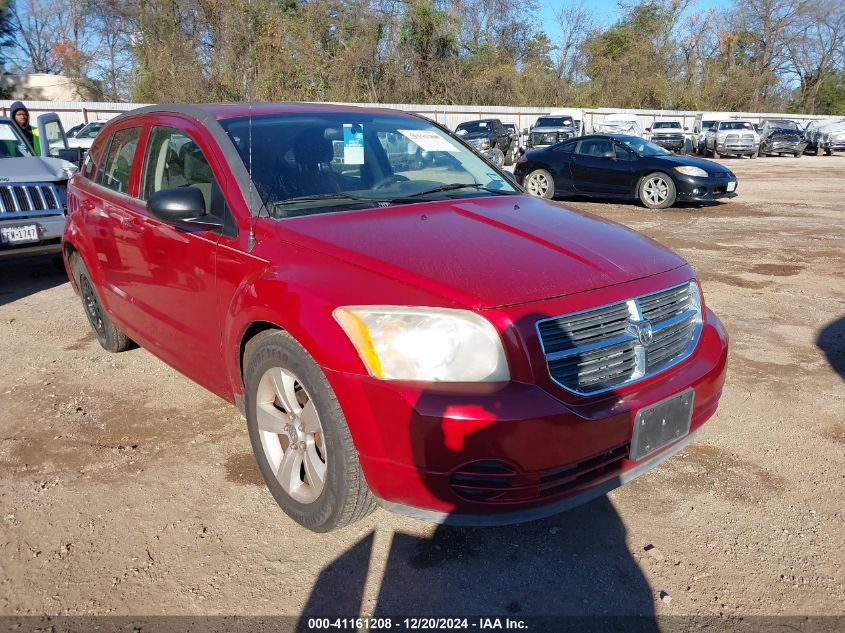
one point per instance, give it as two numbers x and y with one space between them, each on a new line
29 199
599 349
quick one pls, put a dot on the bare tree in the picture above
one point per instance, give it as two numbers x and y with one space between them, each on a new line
576 24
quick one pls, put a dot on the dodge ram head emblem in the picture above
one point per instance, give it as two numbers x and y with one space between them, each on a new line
642 331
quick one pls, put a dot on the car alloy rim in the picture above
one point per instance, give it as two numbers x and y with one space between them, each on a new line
656 190
92 307
538 185
291 434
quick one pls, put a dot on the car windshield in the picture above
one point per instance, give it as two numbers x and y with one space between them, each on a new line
314 163
473 127
91 130
11 143
735 125
664 125
641 147
554 121
782 124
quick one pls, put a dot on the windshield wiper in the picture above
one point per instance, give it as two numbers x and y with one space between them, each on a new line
457 185
323 196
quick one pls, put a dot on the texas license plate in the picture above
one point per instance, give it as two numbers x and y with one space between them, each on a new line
18 234
731 186
661 424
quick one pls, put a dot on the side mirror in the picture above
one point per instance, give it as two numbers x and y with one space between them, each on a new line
686 129
648 129
182 205
73 155
609 155
525 130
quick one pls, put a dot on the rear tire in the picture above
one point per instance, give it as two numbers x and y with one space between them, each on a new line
299 435
657 191
110 338
540 183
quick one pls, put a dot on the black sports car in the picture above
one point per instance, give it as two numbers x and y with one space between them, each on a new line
612 166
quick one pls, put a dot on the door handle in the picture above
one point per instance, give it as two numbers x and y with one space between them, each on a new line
87 205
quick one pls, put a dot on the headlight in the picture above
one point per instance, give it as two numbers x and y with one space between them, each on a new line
425 344
689 170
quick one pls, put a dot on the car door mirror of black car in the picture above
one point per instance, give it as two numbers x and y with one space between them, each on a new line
609 155
182 205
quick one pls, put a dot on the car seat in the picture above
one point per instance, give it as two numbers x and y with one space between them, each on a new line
313 153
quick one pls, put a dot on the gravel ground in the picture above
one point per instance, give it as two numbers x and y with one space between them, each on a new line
127 489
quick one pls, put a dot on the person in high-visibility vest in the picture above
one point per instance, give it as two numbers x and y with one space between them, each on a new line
20 115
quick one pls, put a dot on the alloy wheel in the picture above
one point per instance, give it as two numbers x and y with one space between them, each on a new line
291 434
537 185
656 190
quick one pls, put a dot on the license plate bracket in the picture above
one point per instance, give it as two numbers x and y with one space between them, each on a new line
19 234
661 423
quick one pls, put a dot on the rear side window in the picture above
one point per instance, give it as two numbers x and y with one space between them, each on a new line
564 148
116 165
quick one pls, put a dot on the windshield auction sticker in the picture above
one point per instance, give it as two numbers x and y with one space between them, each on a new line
353 144
428 141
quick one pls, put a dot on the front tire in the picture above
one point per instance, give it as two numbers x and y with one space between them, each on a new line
300 437
540 183
657 191
108 336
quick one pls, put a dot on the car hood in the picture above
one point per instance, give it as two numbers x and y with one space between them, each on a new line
485 252
554 128
33 169
702 163
80 142
474 135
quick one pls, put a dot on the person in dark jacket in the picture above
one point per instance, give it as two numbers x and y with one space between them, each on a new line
20 115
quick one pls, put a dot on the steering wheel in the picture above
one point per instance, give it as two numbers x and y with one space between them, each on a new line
389 180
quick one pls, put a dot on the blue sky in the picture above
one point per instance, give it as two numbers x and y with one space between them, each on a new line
607 11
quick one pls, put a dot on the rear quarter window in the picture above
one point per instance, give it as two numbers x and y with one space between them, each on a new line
92 158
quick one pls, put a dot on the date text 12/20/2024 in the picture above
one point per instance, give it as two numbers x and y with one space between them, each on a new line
416 624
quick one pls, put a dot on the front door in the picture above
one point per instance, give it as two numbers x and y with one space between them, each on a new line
596 170
174 273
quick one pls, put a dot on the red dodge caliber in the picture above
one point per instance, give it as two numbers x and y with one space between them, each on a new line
400 324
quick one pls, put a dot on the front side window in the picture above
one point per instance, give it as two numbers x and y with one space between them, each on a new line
175 160
12 144
325 162
55 138
116 165
595 147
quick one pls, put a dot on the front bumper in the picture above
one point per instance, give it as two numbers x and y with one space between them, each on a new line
837 145
546 450
786 147
49 229
692 189
737 148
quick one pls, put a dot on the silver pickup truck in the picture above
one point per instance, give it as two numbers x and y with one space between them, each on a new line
32 188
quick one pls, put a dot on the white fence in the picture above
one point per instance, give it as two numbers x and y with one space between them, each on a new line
72 113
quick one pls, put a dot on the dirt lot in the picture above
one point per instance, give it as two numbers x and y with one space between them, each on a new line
127 489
